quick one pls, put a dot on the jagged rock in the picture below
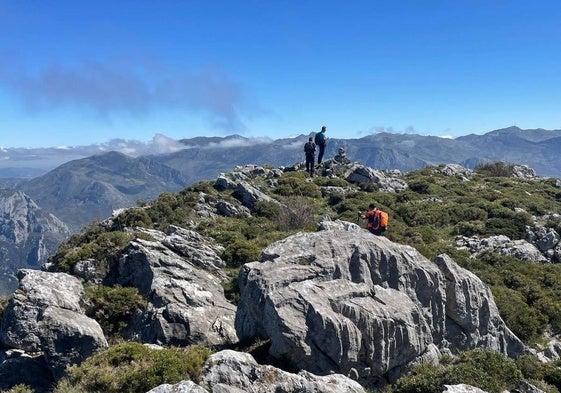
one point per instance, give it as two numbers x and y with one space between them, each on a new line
88 270
45 315
332 190
501 244
455 170
338 300
462 388
475 316
523 172
181 387
199 250
17 367
236 372
252 170
227 209
249 195
224 183
357 173
186 303
327 224
543 238
526 387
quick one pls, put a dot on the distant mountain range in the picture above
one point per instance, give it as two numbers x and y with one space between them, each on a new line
79 190
82 189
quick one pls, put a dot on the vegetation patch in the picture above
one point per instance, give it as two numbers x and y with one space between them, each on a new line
134 368
112 307
487 370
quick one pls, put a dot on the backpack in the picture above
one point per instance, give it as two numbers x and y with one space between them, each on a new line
318 139
384 220
309 148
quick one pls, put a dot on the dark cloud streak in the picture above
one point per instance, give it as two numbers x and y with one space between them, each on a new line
111 90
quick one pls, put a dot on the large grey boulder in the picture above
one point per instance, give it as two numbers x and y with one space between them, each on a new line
501 244
186 302
543 238
236 372
248 195
524 172
45 315
455 170
361 174
348 302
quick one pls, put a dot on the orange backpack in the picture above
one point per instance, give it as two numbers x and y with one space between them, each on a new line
384 219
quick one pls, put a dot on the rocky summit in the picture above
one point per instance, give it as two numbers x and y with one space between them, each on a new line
335 309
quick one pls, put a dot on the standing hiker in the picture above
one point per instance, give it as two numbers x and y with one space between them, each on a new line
320 141
310 150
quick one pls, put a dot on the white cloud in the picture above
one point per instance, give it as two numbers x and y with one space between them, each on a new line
238 142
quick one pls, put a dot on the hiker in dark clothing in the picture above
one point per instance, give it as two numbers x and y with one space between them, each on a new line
320 141
310 150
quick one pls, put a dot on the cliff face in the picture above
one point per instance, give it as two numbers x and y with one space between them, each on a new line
28 235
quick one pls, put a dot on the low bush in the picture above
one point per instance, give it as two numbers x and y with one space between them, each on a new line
134 368
112 307
495 169
296 213
100 247
487 370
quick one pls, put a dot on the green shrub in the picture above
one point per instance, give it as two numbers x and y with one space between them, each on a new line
496 169
100 246
295 184
240 251
21 389
296 213
552 374
421 187
530 366
487 370
134 368
424 378
525 321
267 209
112 307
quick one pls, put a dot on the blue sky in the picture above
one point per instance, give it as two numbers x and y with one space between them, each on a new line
84 72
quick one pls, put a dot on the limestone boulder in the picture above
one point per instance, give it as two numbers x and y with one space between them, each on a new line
236 372
543 238
361 174
45 316
248 195
501 244
186 302
345 301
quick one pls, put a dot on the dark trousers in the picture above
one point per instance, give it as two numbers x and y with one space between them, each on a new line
321 152
310 164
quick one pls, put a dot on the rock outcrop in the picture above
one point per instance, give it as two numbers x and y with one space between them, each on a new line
501 244
186 300
235 372
45 316
347 302
541 244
